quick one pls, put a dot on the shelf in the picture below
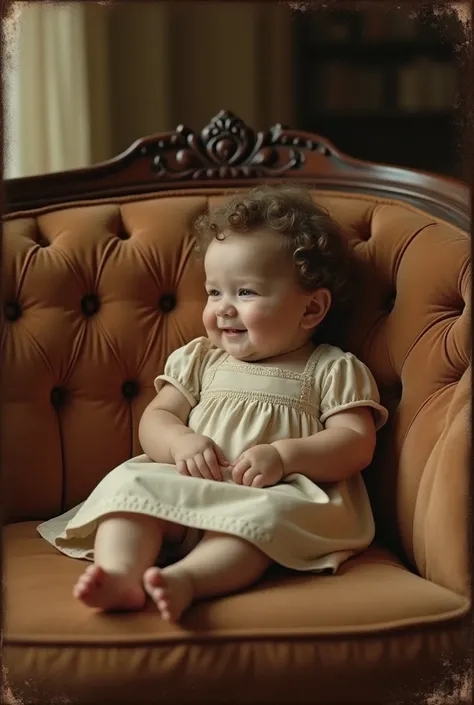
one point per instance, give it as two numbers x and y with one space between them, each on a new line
431 145
375 115
383 50
355 78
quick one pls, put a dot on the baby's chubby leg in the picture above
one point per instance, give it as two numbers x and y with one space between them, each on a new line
125 546
220 564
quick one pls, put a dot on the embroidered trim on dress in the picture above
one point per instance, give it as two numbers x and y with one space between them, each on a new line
308 381
187 517
263 371
247 395
379 422
210 373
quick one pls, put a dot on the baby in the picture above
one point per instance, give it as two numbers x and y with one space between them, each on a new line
256 438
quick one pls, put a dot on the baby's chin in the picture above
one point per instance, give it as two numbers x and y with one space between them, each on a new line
245 354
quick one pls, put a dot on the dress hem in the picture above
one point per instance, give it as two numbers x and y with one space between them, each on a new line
263 540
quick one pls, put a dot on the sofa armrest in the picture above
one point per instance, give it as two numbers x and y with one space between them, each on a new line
441 521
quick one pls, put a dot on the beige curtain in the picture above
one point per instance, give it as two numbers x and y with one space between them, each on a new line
46 99
85 80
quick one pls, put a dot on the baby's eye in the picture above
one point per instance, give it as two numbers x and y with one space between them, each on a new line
213 292
246 292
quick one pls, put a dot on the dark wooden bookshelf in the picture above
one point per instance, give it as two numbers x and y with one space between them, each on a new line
404 115
381 85
381 51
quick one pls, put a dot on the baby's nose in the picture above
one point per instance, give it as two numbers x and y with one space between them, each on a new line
226 308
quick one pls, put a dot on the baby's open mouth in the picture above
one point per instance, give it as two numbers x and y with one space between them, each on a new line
233 331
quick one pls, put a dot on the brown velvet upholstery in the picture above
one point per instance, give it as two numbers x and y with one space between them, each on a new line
97 294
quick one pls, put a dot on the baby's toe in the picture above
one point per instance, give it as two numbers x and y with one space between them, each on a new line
96 573
91 578
164 609
80 588
83 579
159 595
153 578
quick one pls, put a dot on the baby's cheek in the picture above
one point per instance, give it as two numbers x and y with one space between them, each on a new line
208 318
259 317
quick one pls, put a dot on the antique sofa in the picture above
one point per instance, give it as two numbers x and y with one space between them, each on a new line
99 285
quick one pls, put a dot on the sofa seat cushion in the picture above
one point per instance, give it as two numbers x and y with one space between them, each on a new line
371 615
371 592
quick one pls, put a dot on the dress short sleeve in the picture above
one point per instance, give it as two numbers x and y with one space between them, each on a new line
348 384
184 369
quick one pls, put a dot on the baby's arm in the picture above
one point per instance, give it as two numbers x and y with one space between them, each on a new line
344 448
165 437
163 423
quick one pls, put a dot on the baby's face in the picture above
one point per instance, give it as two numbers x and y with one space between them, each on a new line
255 305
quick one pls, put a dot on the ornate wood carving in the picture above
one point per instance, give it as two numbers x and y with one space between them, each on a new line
228 153
227 147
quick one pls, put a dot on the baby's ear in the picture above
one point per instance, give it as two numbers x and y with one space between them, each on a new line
316 308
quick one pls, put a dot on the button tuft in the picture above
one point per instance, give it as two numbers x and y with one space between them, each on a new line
167 302
90 304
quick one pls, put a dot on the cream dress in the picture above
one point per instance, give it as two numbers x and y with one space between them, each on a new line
297 523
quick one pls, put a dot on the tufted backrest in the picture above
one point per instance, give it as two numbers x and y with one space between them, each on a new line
98 294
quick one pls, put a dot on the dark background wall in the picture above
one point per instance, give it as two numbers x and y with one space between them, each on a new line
381 83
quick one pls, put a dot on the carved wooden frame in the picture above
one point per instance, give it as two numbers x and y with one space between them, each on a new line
228 153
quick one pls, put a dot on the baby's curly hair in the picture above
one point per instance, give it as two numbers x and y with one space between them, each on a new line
313 239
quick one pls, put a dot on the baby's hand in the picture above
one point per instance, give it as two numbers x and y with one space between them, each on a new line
198 456
260 466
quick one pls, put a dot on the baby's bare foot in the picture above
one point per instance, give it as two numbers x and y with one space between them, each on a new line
170 589
108 591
